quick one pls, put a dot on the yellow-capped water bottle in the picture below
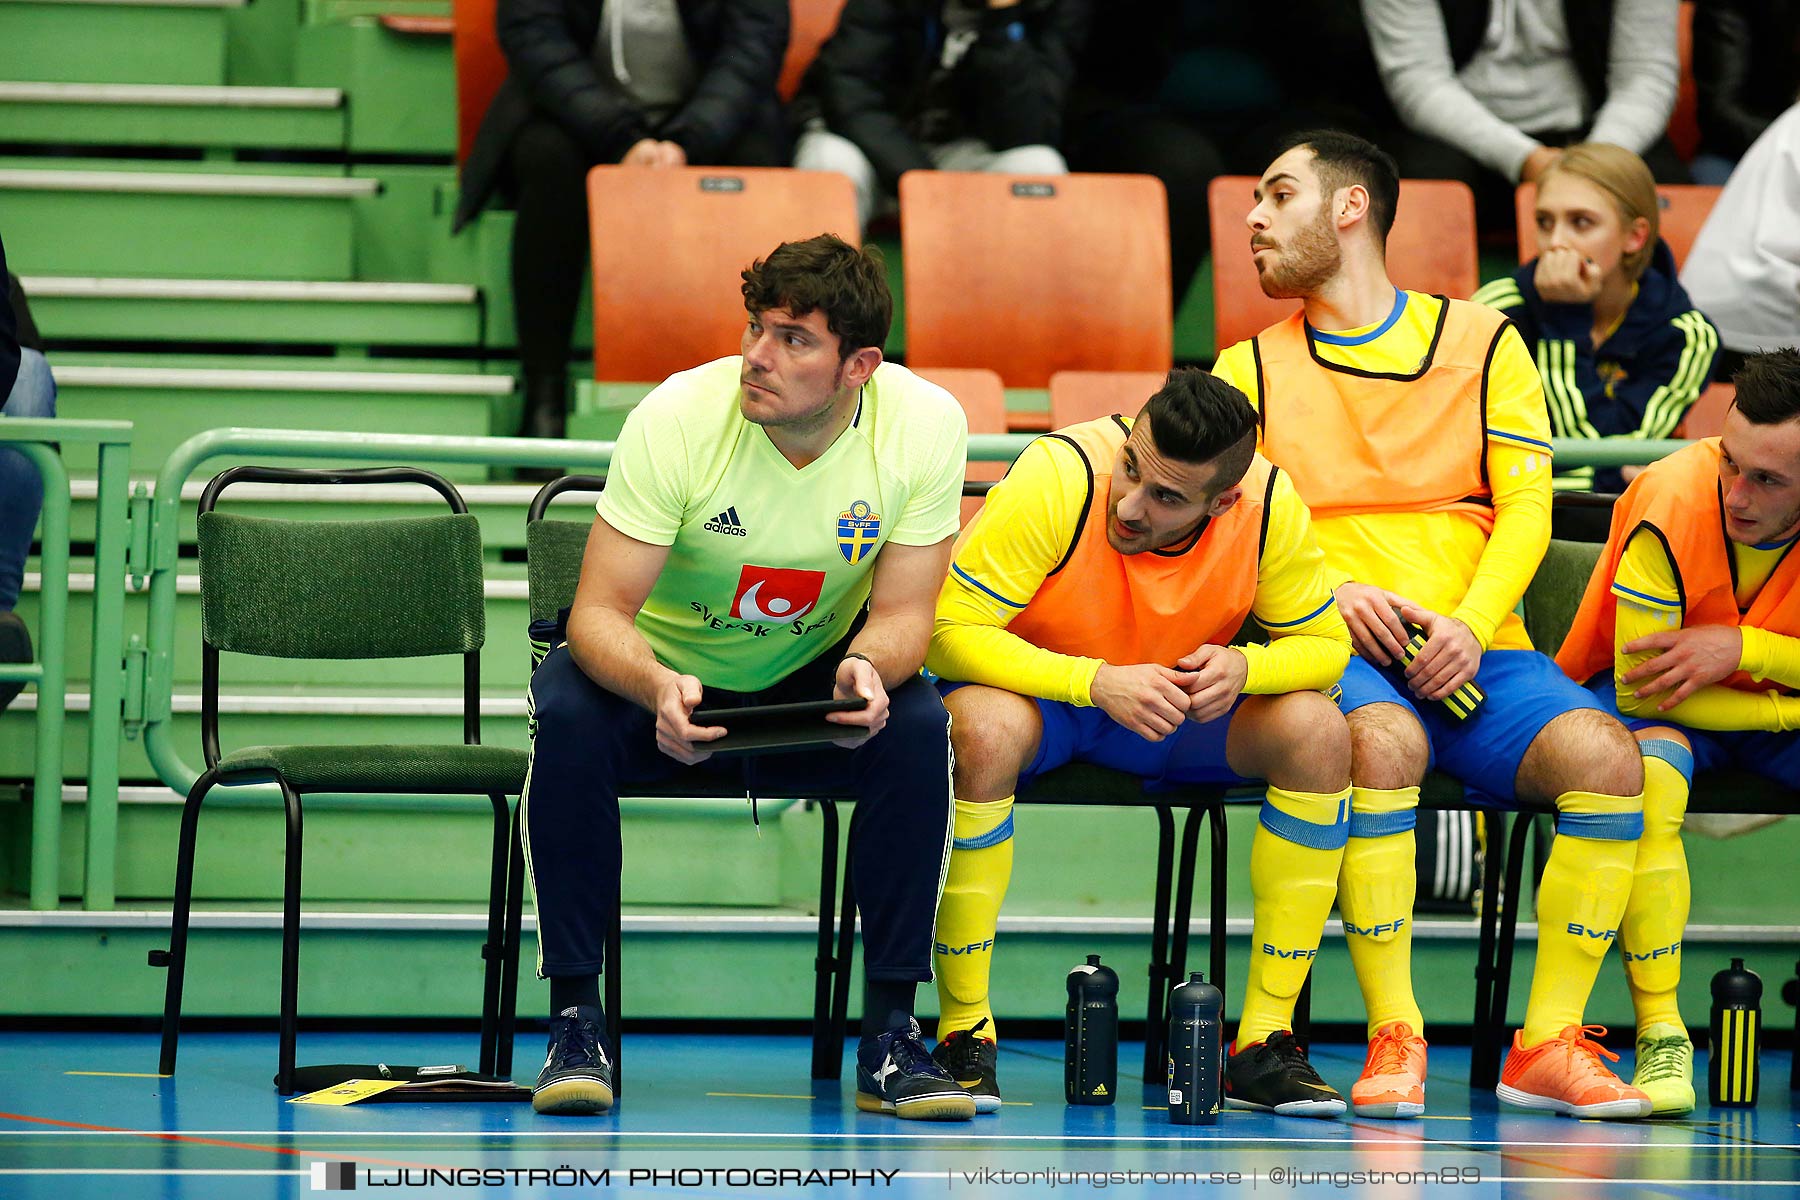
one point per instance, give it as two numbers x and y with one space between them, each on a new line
1731 1075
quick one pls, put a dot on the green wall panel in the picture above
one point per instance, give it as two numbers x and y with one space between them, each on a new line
96 43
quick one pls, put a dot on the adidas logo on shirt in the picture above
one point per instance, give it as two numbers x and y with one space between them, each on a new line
727 523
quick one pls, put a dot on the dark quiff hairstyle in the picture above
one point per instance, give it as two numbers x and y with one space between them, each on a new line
828 274
1768 386
1342 159
1196 417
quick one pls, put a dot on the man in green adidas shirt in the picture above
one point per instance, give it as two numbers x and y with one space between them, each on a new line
775 527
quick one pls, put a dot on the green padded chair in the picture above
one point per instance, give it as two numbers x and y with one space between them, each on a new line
400 588
554 549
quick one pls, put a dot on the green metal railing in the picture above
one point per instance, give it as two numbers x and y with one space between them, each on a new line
165 516
36 439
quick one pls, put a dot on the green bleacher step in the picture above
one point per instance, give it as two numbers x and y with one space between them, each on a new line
403 85
160 114
505 666
180 223
307 312
171 404
270 717
115 41
499 506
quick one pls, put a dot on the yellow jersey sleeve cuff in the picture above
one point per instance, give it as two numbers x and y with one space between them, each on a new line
1479 625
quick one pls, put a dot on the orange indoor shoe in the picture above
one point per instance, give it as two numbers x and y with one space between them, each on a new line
1393 1076
1565 1075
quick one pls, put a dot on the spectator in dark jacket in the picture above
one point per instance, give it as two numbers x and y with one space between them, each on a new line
959 85
1747 73
1622 351
654 83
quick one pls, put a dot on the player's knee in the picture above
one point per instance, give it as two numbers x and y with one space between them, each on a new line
1314 741
1388 749
991 733
1583 751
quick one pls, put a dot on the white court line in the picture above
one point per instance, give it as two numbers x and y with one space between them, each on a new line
1720 1143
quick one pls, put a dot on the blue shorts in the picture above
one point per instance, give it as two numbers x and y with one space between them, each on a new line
1194 753
1774 756
1525 692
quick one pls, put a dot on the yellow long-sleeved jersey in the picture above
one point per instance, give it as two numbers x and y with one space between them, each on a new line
1649 597
1444 561
1025 530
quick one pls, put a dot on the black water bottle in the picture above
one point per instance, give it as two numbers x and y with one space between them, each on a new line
1091 1035
1731 1075
1196 1052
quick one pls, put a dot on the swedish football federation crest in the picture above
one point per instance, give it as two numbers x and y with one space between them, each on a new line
858 529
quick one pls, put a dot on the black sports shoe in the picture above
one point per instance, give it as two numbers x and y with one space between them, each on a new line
972 1061
1274 1076
577 1076
895 1074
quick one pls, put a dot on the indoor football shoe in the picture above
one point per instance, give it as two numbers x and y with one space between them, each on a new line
972 1062
896 1074
1665 1069
1393 1076
1565 1075
577 1077
1274 1076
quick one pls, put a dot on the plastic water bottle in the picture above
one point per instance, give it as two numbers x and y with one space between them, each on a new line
1091 1035
1731 1075
1196 1052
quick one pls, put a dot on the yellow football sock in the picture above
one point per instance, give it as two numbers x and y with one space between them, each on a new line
1579 903
1376 887
980 867
1657 912
1294 861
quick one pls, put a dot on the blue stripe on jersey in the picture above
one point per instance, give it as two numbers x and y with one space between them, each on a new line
1520 438
1358 339
1329 601
1644 597
982 587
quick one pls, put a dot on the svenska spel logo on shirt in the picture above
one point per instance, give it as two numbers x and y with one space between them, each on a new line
858 529
775 593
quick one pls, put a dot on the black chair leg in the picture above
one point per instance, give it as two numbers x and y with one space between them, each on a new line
1184 897
846 951
827 1041
1217 864
290 942
1155 1010
175 958
1484 1064
1302 1021
493 951
1522 828
509 975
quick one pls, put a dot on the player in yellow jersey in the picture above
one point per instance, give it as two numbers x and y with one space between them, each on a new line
1415 429
1087 618
1690 631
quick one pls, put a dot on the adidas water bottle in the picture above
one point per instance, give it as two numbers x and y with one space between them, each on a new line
1196 1052
1091 1035
1731 1075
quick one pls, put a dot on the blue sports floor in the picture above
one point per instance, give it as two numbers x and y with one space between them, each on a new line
736 1115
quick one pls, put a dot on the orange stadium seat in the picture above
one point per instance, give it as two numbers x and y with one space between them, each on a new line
1430 249
1684 209
1077 396
983 398
1684 120
1030 276
480 68
1707 417
666 267
811 24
